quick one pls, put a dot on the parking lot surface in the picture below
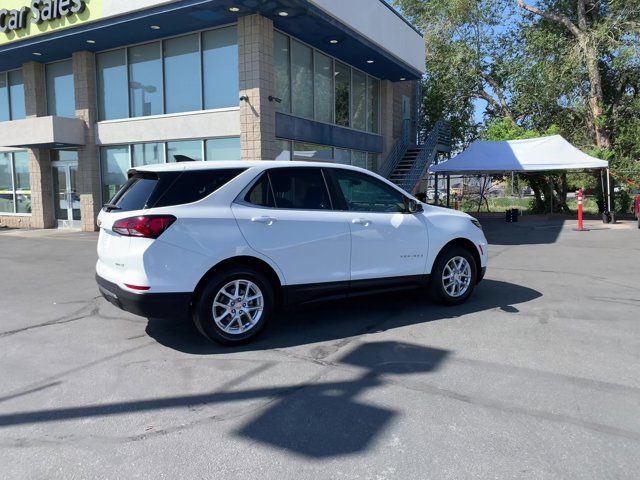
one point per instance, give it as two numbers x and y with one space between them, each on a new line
537 376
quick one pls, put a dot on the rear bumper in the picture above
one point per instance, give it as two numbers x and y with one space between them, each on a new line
150 305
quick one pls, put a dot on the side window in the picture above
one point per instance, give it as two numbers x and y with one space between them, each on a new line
261 193
366 194
299 188
192 186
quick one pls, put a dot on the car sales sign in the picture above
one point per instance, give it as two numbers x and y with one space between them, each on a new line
21 19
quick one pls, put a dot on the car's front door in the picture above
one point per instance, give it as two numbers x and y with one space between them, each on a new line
386 241
287 216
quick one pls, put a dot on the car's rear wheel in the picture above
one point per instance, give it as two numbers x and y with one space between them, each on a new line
234 306
454 276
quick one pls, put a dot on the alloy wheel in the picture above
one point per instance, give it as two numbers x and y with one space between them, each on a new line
456 277
238 306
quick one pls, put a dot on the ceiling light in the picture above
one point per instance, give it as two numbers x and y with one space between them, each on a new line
91 41
234 9
369 61
283 14
402 79
333 41
37 54
155 27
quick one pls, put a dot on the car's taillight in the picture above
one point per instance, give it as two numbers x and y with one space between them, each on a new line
147 226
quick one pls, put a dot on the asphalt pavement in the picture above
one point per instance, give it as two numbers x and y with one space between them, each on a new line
537 376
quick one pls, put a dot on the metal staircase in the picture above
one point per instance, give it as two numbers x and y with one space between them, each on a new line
408 163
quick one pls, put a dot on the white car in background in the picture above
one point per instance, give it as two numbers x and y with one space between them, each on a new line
230 242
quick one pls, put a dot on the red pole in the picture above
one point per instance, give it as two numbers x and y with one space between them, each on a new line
456 205
580 220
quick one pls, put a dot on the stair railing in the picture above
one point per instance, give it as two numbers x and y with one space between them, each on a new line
439 139
397 153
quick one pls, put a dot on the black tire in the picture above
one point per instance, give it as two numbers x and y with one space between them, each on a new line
203 310
436 288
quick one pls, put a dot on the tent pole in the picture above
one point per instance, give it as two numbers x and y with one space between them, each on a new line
604 197
435 191
448 191
609 190
551 195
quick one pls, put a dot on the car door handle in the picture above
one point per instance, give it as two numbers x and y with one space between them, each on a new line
267 220
361 221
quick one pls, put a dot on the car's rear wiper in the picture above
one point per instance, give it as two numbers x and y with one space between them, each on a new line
112 206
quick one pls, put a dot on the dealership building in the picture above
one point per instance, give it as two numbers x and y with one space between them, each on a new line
92 88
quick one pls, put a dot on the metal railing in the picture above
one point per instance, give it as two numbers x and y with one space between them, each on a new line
397 153
439 139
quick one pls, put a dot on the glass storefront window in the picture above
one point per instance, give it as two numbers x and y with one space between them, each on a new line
359 159
61 100
191 149
147 154
200 72
16 95
323 86
6 184
302 79
343 93
115 164
342 156
220 68
283 148
112 85
4 98
336 93
282 67
311 151
373 105
222 149
22 182
182 74
15 185
359 102
372 161
145 80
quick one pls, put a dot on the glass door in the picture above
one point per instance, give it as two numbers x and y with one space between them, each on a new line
67 199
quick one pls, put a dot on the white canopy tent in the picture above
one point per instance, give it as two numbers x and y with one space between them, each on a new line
530 155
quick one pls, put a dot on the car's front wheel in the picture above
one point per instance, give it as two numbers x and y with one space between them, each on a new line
454 276
234 306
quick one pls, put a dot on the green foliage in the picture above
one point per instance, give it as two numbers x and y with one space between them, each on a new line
532 73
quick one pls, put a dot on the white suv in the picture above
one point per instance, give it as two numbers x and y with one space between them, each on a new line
230 242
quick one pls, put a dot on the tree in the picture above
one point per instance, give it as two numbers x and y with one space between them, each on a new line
467 59
596 26
569 64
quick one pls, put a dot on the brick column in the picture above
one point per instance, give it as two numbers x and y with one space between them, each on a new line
257 114
386 114
42 197
84 78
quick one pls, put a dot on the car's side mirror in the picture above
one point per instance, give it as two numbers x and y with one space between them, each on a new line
414 206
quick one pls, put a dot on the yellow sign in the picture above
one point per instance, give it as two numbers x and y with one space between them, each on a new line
21 19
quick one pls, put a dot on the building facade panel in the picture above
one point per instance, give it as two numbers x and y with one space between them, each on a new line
133 83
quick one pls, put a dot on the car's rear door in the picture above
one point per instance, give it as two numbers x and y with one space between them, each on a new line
287 216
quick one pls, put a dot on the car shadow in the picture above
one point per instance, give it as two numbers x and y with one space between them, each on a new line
324 322
529 232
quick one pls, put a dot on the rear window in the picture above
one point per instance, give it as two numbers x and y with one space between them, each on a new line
152 190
